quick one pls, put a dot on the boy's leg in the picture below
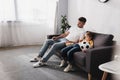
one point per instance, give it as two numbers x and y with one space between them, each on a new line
70 57
63 53
71 52
68 68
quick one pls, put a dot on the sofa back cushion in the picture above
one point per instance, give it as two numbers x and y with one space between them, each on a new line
102 39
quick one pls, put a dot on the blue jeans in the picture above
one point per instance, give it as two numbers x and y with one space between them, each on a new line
53 47
67 52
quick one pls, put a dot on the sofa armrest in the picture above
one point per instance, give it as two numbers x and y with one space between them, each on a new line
52 35
97 56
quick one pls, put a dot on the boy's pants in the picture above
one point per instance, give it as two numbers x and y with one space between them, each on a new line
67 52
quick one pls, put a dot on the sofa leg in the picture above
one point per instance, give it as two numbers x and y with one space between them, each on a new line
89 76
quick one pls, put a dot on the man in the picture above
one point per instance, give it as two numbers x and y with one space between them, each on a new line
57 43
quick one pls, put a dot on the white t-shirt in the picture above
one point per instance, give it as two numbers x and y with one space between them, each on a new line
75 34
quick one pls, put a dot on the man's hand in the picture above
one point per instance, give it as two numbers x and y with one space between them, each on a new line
60 36
54 38
68 43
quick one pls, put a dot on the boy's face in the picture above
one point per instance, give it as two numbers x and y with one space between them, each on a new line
87 38
80 24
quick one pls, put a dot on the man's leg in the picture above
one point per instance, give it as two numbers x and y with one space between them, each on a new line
53 49
45 46
42 51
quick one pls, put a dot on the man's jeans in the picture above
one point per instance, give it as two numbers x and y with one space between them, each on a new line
53 45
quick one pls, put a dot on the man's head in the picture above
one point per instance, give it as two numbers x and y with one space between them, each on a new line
81 22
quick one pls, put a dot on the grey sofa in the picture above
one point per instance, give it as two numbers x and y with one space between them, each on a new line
101 53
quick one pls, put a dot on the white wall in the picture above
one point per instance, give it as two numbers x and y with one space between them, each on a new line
101 17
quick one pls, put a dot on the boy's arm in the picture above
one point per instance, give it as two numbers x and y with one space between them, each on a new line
91 44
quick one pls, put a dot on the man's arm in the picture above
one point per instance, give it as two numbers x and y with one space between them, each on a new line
61 36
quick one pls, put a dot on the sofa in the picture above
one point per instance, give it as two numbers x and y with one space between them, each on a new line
101 53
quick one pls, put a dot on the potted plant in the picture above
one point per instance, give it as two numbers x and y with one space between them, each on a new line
64 23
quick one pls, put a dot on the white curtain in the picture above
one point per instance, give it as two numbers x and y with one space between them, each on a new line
7 10
26 22
5 38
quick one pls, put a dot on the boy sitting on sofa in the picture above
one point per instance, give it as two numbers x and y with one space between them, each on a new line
70 49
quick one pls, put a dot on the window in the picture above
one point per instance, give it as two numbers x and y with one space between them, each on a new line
32 10
26 10
7 10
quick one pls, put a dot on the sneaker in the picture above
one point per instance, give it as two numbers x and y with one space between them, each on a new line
39 64
68 68
62 63
36 59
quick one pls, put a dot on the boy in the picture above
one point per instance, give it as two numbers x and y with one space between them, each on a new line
67 52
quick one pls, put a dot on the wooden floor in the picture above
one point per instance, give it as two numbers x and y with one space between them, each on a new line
15 65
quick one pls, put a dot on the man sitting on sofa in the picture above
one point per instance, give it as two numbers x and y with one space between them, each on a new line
57 43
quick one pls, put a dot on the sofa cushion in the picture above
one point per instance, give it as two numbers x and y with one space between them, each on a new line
102 39
79 58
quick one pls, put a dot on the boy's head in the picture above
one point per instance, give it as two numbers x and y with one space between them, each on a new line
81 22
88 36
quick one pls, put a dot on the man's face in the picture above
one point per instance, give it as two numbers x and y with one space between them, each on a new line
80 24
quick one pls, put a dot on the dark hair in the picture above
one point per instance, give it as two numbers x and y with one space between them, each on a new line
89 34
82 19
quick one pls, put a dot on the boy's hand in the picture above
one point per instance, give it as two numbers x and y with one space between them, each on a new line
84 51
